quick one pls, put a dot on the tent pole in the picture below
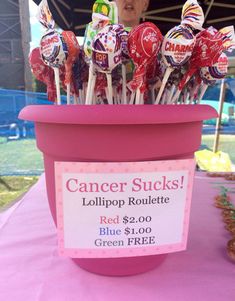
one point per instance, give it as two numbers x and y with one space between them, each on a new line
218 121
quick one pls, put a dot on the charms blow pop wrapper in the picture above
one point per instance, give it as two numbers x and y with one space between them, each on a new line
207 50
210 74
44 15
43 73
192 15
54 52
216 71
144 42
177 48
73 52
53 49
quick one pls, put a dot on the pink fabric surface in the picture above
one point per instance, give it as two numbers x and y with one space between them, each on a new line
32 271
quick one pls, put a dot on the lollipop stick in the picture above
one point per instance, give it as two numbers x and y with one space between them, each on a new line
75 99
68 94
182 84
164 81
81 97
138 97
203 91
131 102
57 83
152 94
110 90
124 98
193 93
171 94
91 85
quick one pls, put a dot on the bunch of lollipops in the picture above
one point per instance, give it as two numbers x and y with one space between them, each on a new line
118 65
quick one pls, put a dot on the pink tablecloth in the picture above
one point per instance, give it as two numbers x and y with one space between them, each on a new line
30 269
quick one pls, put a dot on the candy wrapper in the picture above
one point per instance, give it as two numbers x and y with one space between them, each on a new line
210 43
43 73
104 12
73 52
192 15
179 42
106 8
177 48
144 42
210 74
44 15
106 55
123 34
54 52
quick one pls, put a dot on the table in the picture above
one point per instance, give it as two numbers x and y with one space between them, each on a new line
31 270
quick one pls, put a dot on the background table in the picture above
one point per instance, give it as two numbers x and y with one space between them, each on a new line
30 269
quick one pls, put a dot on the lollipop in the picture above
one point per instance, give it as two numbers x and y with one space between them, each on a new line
144 42
179 42
92 29
53 52
44 15
104 12
106 8
43 73
210 43
210 74
73 52
176 50
106 55
192 15
123 34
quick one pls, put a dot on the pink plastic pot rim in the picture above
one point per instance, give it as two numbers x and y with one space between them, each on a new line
117 114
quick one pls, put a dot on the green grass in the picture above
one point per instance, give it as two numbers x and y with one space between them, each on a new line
13 187
20 157
226 144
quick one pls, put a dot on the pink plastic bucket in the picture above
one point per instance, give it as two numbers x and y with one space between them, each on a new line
115 134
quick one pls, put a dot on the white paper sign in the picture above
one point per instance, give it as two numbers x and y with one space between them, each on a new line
123 209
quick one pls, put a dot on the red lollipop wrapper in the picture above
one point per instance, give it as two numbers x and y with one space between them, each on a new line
207 50
144 42
43 73
73 52
73 87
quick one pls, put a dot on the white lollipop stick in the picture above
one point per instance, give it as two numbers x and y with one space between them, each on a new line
81 99
186 98
176 96
75 100
202 92
132 98
91 85
172 90
138 97
57 83
164 81
178 92
142 98
68 93
124 98
110 89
